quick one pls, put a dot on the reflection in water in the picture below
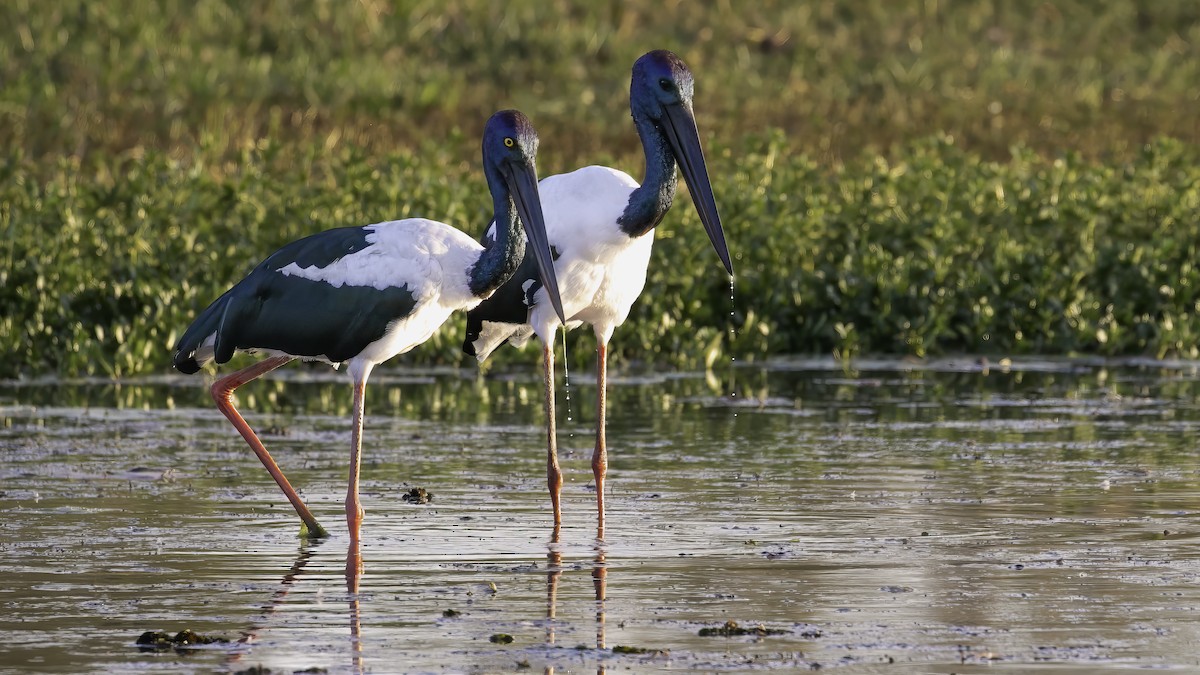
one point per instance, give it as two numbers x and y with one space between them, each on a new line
289 583
599 584
354 566
307 549
354 570
553 574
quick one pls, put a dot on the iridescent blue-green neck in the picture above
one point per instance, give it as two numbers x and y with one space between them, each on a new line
651 201
499 260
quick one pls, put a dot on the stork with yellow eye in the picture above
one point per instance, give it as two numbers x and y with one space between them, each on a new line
361 295
600 224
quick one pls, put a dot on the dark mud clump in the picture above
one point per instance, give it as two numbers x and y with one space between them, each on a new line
417 496
622 649
619 649
181 641
731 628
265 670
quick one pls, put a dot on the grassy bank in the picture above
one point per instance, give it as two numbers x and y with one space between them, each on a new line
209 77
899 177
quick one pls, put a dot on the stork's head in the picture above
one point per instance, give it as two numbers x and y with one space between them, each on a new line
510 146
661 91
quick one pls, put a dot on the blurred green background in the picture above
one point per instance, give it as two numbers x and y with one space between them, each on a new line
903 177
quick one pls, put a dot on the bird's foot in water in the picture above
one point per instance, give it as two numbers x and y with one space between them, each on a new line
312 530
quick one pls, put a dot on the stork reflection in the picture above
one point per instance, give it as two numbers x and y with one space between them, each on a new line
599 584
287 584
354 570
273 603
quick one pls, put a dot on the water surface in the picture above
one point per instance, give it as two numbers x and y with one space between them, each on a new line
935 516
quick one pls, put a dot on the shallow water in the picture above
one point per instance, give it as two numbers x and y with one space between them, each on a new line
934 517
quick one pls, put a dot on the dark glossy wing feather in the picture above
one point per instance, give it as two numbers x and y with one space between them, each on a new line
297 316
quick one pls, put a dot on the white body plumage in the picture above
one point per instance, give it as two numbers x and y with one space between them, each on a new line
600 269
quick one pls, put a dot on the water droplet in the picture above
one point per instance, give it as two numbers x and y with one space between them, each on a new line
732 336
567 384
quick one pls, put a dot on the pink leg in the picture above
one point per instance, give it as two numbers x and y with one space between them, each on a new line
354 517
354 510
554 477
354 567
600 456
222 393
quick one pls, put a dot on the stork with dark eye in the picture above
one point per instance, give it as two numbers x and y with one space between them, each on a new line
601 228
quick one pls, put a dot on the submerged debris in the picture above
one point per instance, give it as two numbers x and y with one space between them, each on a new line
731 628
417 495
162 641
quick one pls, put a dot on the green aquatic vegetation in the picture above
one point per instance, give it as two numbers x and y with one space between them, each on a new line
624 649
933 251
620 649
894 177
732 629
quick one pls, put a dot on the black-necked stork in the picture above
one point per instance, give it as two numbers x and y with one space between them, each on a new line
601 227
361 295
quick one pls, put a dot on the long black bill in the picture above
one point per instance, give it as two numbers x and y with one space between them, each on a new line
522 184
680 126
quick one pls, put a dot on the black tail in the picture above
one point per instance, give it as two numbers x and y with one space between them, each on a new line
186 360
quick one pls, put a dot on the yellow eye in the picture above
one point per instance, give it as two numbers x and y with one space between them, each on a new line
509 142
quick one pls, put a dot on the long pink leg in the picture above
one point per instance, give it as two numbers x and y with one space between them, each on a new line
600 455
354 510
354 566
222 392
554 477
